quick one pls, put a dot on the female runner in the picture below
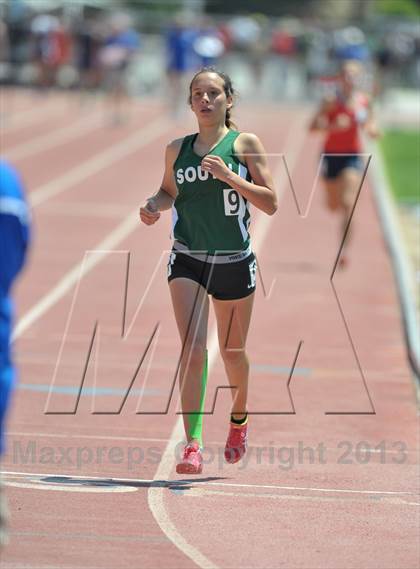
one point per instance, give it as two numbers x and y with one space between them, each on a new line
341 117
210 180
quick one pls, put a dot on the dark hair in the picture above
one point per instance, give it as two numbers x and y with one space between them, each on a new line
227 86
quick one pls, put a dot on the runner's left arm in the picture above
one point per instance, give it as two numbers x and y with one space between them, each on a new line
371 125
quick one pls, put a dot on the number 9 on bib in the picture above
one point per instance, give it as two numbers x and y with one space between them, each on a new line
232 201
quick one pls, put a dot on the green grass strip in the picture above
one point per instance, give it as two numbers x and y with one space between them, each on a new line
401 151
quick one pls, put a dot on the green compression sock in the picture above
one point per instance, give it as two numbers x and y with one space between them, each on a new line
195 420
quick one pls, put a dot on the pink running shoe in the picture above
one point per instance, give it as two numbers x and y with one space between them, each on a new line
236 443
192 461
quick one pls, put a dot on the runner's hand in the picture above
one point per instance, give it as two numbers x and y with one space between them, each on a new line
149 212
216 167
372 130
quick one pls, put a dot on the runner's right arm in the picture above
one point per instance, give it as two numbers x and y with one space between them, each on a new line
165 196
319 122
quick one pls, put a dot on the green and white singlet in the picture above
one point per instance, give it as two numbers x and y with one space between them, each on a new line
208 215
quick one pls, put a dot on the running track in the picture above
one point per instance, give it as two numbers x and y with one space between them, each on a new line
331 477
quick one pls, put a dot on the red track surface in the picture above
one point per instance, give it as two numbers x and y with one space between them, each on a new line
348 501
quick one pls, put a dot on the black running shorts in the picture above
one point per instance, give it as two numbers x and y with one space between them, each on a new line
223 281
332 166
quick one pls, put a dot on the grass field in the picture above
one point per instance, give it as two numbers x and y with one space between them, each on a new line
401 150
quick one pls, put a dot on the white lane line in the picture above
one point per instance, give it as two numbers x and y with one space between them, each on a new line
62 475
74 436
155 496
76 274
180 481
33 115
198 492
85 536
100 161
53 139
88 209
312 489
67 488
13 565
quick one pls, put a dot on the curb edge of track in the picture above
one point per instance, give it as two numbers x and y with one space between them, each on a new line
401 265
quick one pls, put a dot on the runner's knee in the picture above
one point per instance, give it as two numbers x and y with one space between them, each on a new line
193 354
233 356
333 201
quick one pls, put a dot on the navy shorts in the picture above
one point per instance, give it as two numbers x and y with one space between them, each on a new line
223 281
332 166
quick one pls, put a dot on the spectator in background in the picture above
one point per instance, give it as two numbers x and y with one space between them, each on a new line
284 46
350 44
17 17
181 59
190 46
4 60
88 40
4 42
53 45
257 52
14 238
208 45
248 36
115 56
318 64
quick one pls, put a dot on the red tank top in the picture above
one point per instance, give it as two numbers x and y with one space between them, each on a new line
346 140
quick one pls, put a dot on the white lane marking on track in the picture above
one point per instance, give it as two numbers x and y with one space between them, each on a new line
155 496
179 481
88 209
74 436
52 140
8 565
86 536
99 162
198 492
311 489
67 488
33 115
73 483
12 565
74 275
